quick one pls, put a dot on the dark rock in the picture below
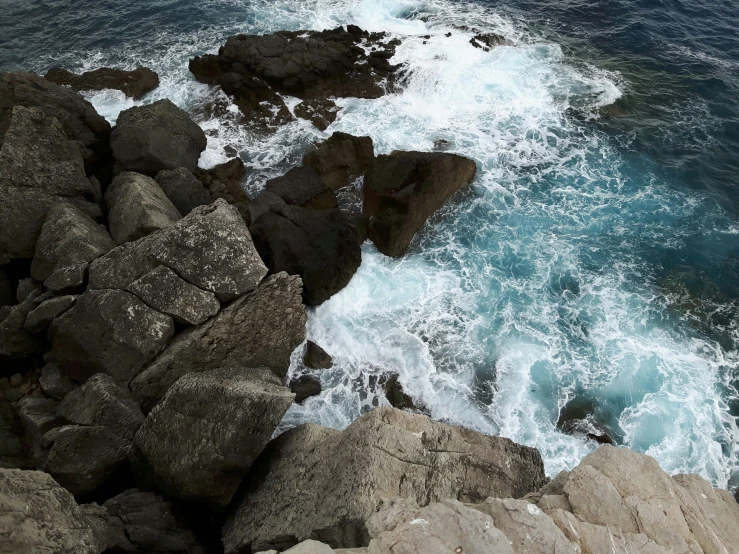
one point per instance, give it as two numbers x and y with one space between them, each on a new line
302 186
396 395
183 189
68 279
260 329
304 387
54 383
319 245
38 416
403 189
150 138
7 290
321 113
224 181
264 202
488 41
16 342
340 158
316 357
26 288
582 416
134 83
108 331
137 207
204 435
12 446
41 317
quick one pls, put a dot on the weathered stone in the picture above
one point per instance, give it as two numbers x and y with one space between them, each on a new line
321 113
224 181
41 317
302 186
395 394
135 83
27 287
310 547
16 342
38 416
137 207
12 446
304 387
340 158
316 357
54 383
488 41
183 189
7 292
264 202
69 279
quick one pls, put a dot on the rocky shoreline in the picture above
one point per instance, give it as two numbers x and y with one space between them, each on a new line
149 310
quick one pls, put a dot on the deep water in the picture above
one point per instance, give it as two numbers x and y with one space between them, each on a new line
594 260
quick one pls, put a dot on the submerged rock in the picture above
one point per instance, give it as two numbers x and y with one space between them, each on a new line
488 41
340 158
135 83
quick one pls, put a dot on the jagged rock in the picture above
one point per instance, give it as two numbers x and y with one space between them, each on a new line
264 202
83 458
68 279
137 207
183 189
7 292
304 387
260 329
302 186
46 312
12 446
316 357
313 482
150 138
135 83
54 383
202 438
164 291
38 416
26 287
403 189
108 331
40 517
395 394
224 181
16 342
488 41
68 238
583 417
319 245
340 158
39 167
103 402
321 113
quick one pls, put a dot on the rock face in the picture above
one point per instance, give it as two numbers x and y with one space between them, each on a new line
134 83
340 158
320 246
313 482
39 516
402 190
202 438
148 139
302 186
261 329
137 207
183 189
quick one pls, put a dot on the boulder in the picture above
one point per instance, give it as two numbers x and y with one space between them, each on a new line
488 41
321 113
13 450
53 383
403 189
202 438
150 138
319 245
40 517
137 207
313 482
264 202
38 416
164 291
27 287
302 186
108 331
260 329
135 83
224 181
304 387
16 342
395 394
47 311
183 189
316 357
68 279
340 158
7 290
584 417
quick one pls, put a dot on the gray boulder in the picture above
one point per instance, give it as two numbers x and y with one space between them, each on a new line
53 383
183 189
264 202
320 112
137 207
150 138
204 435
38 416
46 312
68 279
302 186
340 158
16 342
135 83
108 331
313 482
224 181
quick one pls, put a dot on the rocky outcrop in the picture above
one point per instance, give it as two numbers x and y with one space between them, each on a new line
150 138
304 387
135 83
316 357
340 158
202 438
224 181
321 113
403 189
17 342
488 41
183 189
302 186
313 482
319 245
54 384
47 311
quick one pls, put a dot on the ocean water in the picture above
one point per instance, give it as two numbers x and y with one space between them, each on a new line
594 259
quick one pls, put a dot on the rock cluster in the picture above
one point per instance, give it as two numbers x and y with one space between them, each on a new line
135 83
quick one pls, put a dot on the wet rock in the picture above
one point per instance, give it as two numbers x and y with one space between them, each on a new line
135 83
13 453
204 435
224 181
304 387
302 186
340 158
582 417
150 138
183 189
488 41
54 383
403 189
41 317
316 357
319 245
396 395
321 113
137 207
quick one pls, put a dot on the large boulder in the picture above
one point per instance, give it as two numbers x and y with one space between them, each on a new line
319 245
150 138
260 329
183 189
202 438
302 186
313 482
340 158
403 189
135 83
37 516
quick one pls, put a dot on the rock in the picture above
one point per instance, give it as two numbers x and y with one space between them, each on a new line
396 395
322 483
260 329
137 207
39 167
134 83
41 317
321 113
202 438
183 189
403 189
26 287
582 417
310 547
304 387
7 290
340 158
108 331
39 516
38 416
82 459
488 41
68 279
103 402
13 452
264 202
320 246
302 186
54 383
224 181
150 138
16 342
316 357
164 291
68 237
